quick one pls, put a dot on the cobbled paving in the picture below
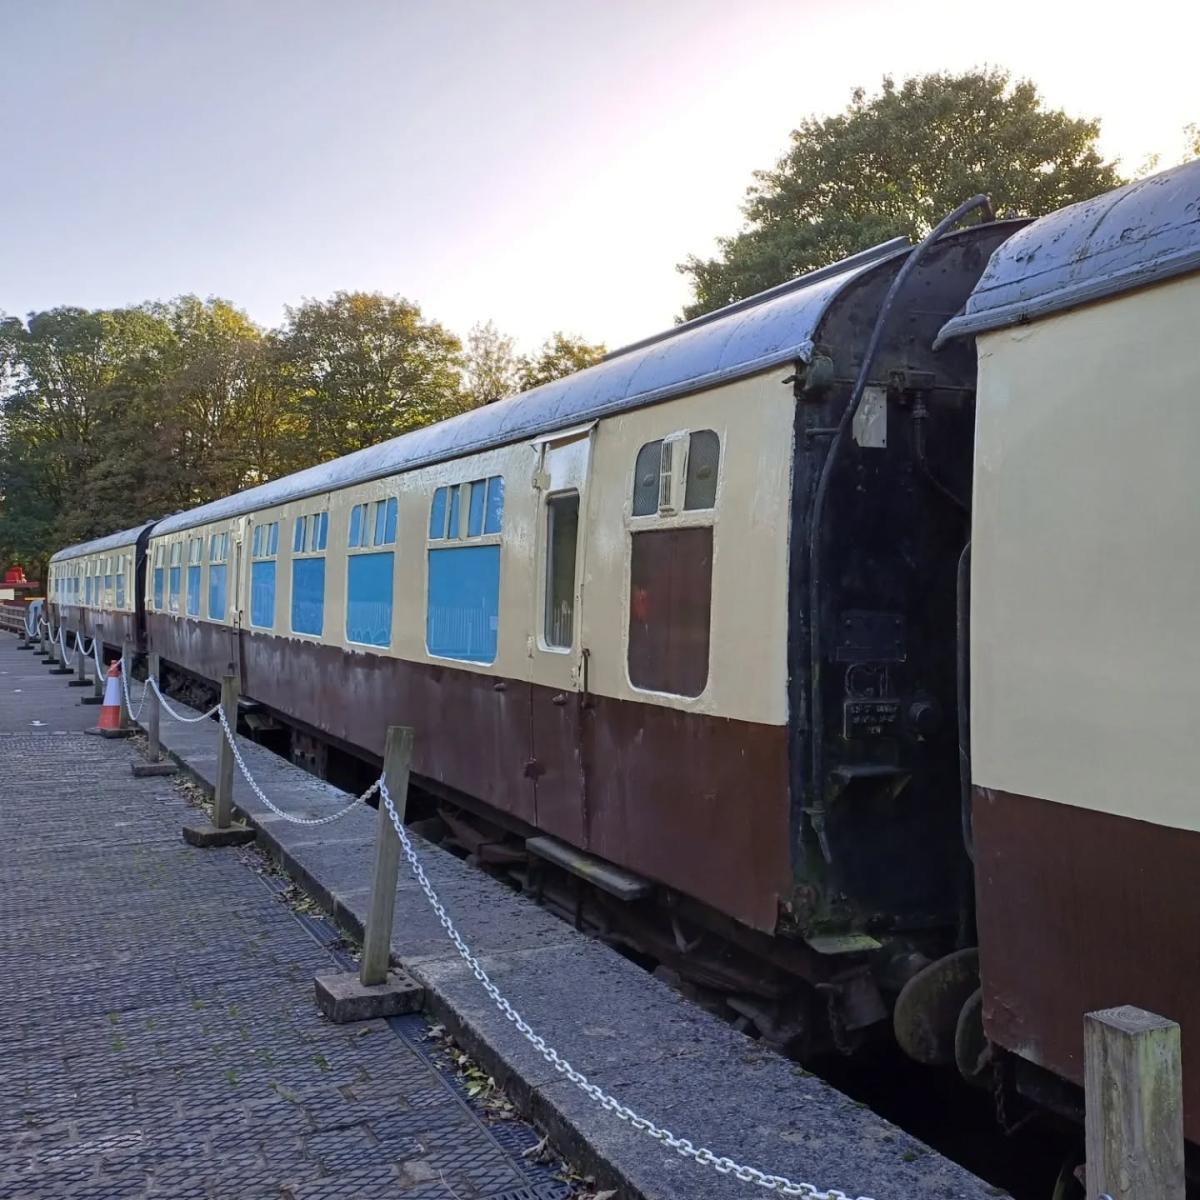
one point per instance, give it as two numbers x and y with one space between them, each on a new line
159 1033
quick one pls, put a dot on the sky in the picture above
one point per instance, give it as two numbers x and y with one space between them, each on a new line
544 164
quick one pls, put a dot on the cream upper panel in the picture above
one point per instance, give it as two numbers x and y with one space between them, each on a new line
748 630
1086 558
106 581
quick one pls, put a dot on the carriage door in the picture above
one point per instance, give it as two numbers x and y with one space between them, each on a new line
557 675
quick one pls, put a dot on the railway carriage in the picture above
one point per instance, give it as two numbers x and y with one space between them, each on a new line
1084 653
590 601
95 588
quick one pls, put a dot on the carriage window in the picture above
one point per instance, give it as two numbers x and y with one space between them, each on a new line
369 577
262 575
652 481
308 574
462 611
120 577
174 576
562 530
108 580
218 574
158 578
704 455
645 479
195 556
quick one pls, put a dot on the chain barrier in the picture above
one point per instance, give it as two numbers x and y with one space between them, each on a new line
279 812
684 1146
125 688
153 683
681 1145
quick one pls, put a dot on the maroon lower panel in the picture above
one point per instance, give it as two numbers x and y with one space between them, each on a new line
115 629
696 802
1081 910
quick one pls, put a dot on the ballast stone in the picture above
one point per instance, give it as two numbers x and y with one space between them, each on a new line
343 998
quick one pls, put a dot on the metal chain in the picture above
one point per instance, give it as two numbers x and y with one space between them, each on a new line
241 762
720 1163
152 682
125 688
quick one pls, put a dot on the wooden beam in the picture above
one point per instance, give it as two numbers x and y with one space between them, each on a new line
1133 1092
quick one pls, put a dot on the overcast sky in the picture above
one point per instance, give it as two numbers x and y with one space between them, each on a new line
544 163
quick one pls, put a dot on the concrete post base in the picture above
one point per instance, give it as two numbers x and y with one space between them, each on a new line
61 671
342 998
80 683
209 837
146 770
92 700
112 733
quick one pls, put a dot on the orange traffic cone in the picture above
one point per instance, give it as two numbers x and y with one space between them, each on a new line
110 712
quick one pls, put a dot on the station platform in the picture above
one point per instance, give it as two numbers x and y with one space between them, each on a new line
660 1055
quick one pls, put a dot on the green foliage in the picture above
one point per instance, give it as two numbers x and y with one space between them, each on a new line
1192 135
894 164
491 367
365 368
111 417
560 354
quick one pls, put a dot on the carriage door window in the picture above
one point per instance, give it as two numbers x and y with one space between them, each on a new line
218 575
195 557
174 576
308 573
158 579
562 536
671 555
370 571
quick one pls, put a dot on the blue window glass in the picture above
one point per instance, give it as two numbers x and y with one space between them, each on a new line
193 592
274 539
216 591
158 588
475 516
87 590
369 598
257 546
173 581
322 534
437 514
107 584
380 522
389 525
308 595
463 609
120 589
452 528
494 520
262 594
356 524
298 535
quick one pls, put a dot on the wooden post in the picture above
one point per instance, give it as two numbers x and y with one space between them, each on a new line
377 938
222 816
1133 1092
154 716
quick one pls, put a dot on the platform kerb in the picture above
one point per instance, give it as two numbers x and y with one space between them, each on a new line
344 998
208 837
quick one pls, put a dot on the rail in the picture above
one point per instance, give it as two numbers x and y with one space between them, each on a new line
702 1155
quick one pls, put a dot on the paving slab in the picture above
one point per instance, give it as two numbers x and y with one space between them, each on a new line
670 1061
159 1029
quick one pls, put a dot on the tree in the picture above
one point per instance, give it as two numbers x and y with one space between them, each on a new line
894 164
367 367
560 354
1192 134
491 367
